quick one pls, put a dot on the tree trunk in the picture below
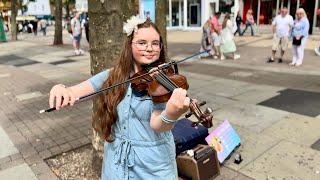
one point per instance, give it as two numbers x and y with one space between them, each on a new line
58 23
67 10
13 20
161 11
106 39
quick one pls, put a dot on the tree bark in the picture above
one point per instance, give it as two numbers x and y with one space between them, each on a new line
106 39
67 10
161 11
14 11
58 23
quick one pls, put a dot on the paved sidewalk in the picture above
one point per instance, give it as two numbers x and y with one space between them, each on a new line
275 143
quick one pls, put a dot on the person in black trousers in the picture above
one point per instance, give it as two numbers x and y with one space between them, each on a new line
239 22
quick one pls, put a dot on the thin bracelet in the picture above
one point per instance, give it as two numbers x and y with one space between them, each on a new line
165 119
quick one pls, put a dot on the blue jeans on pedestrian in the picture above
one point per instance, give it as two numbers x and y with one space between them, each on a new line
248 24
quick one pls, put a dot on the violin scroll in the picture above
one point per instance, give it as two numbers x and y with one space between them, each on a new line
204 118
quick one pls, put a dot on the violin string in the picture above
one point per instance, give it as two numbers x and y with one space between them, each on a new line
167 81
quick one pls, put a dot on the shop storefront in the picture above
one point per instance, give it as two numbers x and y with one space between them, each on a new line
265 10
189 14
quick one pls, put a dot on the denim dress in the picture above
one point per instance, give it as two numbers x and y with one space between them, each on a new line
137 152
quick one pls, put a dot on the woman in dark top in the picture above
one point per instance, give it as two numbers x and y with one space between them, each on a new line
239 22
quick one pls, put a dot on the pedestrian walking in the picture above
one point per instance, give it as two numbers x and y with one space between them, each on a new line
35 27
228 45
3 37
281 28
238 23
206 41
215 34
76 33
249 22
85 25
300 33
139 143
43 26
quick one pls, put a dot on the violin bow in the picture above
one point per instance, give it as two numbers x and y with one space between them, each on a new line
165 65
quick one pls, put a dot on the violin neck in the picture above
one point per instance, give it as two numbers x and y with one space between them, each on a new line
165 81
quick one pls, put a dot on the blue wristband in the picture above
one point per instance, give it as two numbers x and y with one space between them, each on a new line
165 119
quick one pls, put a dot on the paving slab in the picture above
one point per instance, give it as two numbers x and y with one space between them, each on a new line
297 101
286 160
19 172
296 128
252 146
5 75
253 117
241 74
255 96
7 147
30 95
44 58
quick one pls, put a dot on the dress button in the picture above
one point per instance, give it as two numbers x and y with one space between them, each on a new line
124 127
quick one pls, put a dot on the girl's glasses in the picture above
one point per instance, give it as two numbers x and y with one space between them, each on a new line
142 45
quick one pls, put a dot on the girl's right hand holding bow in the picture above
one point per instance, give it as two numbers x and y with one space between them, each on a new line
61 96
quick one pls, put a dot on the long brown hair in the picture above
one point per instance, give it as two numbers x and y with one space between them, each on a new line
108 102
226 18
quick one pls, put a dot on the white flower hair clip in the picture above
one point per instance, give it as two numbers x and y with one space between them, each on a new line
132 24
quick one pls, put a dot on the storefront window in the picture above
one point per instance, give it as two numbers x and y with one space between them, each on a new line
194 13
225 6
175 13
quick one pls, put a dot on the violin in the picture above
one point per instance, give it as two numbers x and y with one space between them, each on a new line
160 88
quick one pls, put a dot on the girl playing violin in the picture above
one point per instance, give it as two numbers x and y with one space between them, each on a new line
139 143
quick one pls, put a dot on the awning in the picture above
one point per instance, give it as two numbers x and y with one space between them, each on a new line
25 18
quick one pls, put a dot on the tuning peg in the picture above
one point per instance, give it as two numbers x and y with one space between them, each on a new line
202 103
208 110
188 114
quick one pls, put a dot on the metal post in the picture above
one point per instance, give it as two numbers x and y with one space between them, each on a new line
180 14
277 8
258 12
298 4
282 3
170 13
289 4
185 14
258 16
315 13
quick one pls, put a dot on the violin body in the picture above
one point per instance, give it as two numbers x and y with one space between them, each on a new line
160 94
157 91
161 86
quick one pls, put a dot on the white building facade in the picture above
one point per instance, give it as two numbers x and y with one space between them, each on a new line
189 14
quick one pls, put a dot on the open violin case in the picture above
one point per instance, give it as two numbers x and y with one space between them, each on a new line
186 136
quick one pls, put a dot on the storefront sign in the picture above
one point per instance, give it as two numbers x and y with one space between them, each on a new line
39 7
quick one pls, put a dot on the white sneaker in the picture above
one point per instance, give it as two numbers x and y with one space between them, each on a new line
292 64
81 51
215 57
236 56
222 58
317 51
76 52
297 65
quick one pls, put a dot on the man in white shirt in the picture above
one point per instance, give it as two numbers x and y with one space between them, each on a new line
76 33
282 25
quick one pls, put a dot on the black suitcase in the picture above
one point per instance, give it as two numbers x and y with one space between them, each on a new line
186 137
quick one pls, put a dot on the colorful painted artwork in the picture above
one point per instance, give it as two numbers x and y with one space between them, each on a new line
224 140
